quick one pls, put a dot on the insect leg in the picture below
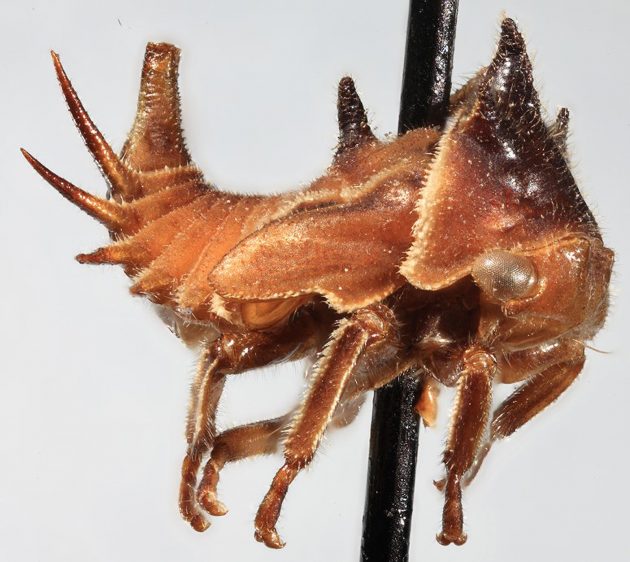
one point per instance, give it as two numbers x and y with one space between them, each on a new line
533 397
347 410
381 370
244 441
548 372
205 393
469 421
259 438
367 329
232 354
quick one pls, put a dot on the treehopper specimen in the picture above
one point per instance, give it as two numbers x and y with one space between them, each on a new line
466 255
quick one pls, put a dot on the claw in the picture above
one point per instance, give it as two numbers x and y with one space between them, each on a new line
187 505
269 509
199 523
189 510
270 537
452 516
207 498
207 490
445 538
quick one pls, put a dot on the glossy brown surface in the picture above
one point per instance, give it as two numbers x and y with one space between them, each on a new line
467 256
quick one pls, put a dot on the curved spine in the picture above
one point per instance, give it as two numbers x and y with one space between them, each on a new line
115 217
123 183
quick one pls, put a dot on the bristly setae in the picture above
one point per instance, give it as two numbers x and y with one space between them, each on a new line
466 255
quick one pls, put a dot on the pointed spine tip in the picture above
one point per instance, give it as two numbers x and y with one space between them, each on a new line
82 258
559 130
122 181
506 90
112 215
508 24
354 128
511 42
56 61
562 119
99 256
346 83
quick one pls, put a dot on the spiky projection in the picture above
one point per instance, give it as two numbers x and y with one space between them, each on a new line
466 256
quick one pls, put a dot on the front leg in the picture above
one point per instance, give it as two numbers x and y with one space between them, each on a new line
468 424
534 396
366 330
548 372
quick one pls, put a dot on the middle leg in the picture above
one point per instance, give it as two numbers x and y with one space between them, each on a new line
253 439
367 331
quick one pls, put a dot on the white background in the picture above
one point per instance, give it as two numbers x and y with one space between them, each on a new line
94 388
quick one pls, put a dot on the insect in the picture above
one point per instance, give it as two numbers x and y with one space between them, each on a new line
466 255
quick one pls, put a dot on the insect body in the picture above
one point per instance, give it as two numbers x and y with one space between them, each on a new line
467 256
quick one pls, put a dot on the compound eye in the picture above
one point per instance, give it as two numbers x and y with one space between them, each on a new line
504 275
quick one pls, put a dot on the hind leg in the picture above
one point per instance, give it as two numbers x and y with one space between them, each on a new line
232 354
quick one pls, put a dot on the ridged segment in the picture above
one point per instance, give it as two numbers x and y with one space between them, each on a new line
161 280
138 251
171 229
195 293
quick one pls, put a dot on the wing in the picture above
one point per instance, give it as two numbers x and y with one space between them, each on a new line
347 253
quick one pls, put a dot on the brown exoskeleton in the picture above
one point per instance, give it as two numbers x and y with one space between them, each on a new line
467 256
